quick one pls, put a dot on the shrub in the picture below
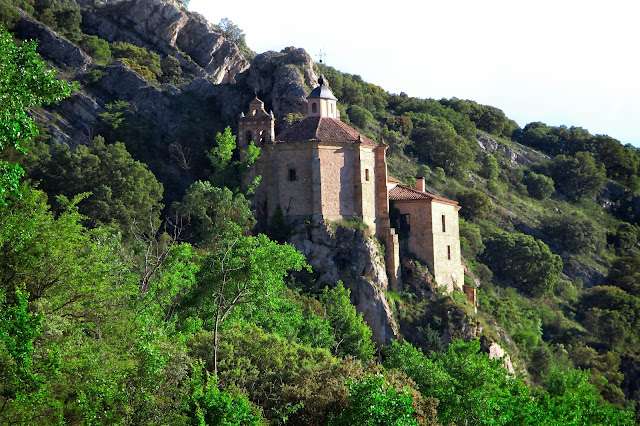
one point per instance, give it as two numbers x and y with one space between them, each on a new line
475 204
539 186
97 48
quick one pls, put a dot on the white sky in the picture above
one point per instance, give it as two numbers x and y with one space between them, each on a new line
567 62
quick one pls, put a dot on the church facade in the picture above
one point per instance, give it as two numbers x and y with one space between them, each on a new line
323 169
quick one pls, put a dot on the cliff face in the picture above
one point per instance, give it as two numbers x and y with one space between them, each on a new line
165 27
220 78
350 256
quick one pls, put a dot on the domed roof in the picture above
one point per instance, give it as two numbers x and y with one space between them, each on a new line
321 92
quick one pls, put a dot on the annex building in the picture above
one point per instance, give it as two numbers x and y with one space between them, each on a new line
323 169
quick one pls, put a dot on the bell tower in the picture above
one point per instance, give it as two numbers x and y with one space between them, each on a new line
257 125
321 102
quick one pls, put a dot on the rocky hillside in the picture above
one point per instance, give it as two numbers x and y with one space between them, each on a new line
216 82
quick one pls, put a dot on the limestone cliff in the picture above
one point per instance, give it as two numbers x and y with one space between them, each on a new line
352 257
165 27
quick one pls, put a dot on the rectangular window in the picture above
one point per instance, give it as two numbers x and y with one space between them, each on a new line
366 174
444 224
449 252
292 175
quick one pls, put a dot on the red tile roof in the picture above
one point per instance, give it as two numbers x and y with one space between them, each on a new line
404 193
323 129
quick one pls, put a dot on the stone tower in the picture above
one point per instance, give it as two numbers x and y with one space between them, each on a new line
257 125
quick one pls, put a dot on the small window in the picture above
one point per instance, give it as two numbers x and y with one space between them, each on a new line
292 175
331 111
314 107
449 252
366 175
254 112
248 136
444 224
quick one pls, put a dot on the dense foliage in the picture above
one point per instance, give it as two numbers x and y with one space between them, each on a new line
112 313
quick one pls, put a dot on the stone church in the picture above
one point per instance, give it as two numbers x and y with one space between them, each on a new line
322 169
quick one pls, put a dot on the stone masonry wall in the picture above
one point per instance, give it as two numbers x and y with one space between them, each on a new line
447 262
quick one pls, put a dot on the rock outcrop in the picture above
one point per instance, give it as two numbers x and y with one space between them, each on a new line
54 48
167 28
495 351
515 154
350 256
283 79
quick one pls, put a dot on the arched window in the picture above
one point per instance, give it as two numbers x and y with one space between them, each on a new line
263 138
248 136
331 111
314 107
254 112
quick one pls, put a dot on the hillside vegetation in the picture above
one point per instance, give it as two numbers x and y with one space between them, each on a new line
134 288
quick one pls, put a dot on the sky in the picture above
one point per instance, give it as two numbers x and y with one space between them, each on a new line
562 62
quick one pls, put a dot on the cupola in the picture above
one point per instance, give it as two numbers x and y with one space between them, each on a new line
321 102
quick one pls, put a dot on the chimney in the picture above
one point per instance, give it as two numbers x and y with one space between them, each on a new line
420 183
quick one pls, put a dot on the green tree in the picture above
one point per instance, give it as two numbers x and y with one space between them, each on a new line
490 169
470 240
470 387
475 204
97 48
572 400
122 190
63 16
436 142
241 272
402 124
230 168
579 176
625 273
209 405
210 212
538 186
373 402
25 83
352 334
575 232
359 116
522 261
626 236
171 70
233 33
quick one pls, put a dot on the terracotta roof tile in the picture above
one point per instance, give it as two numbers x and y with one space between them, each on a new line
404 193
323 129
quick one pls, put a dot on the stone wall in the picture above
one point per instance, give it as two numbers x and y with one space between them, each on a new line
337 180
447 259
420 241
368 176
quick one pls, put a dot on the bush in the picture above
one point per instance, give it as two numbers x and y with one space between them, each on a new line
144 62
522 261
97 48
475 204
490 169
575 232
539 186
